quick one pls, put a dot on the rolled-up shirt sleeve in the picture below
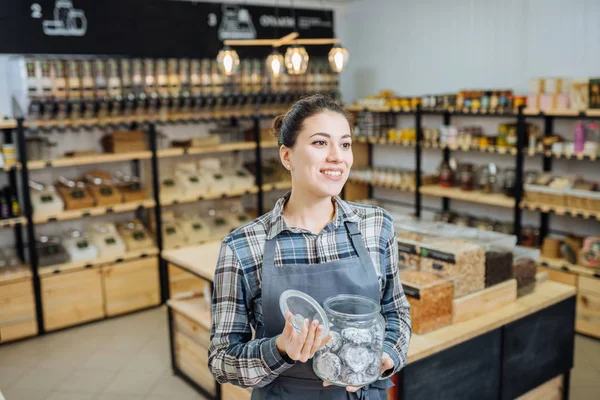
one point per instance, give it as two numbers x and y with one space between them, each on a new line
394 307
233 356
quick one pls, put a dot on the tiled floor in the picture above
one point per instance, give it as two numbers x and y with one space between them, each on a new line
128 359
124 358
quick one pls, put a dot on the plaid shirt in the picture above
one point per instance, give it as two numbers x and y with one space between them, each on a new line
234 356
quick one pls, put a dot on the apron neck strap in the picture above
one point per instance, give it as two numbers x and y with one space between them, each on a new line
358 243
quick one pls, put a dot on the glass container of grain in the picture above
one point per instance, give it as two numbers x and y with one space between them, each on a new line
430 297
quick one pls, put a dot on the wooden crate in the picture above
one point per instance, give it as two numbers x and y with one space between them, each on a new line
588 307
356 191
231 392
17 310
560 276
182 282
192 359
71 298
551 390
484 301
130 285
193 330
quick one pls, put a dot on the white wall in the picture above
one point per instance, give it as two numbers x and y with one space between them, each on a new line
437 46
434 46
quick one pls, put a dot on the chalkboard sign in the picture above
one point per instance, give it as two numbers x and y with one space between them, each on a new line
150 28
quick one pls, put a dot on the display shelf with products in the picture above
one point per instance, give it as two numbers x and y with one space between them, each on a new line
487 149
95 211
15 274
79 265
562 113
8 168
99 158
269 144
220 148
269 187
558 210
12 222
563 155
8 123
210 196
492 199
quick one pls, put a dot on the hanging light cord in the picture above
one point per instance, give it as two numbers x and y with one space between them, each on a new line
327 19
276 24
294 16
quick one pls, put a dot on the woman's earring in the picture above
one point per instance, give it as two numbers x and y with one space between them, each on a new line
289 167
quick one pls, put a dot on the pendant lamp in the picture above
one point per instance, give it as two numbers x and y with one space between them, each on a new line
275 64
228 61
338 58
296 60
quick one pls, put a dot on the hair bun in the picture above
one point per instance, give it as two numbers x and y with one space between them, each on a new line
276 126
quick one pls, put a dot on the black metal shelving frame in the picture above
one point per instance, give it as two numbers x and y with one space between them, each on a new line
520 117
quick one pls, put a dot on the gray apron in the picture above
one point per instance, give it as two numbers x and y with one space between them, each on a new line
355 275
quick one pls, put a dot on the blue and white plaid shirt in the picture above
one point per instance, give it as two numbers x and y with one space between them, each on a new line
237 304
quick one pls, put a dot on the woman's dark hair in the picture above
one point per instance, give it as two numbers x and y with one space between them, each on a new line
286 127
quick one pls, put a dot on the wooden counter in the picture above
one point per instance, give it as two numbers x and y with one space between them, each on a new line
199 260
486 344
545 295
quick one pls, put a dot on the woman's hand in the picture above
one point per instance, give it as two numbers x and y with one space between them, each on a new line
301 346
386 363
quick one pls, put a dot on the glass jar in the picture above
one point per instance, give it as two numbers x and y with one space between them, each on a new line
353 355
446 175
531 177
467 177
509 184
461 220
486 179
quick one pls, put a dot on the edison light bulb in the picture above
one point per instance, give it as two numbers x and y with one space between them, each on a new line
275 64
296 60
338 58
228 61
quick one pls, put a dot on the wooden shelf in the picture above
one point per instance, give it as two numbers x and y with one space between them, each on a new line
16 275
8 123
225 147
488 149
492 199
212 196
79 265
95 211
557 112
359 108
213 115
8 169
593 113
405 188
558 210
559 264
199 260
387 142
93 159
11 222
269 144
186 245
269 187
567 156
194 308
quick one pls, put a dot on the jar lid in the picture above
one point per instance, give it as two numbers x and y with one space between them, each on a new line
303 306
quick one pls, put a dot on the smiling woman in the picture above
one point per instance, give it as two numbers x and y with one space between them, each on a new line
315 243
316 145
